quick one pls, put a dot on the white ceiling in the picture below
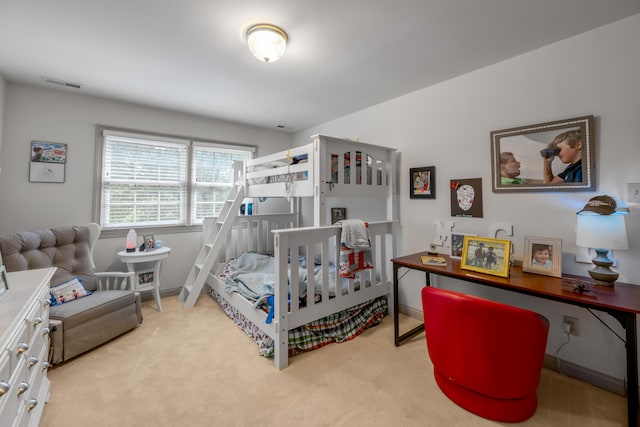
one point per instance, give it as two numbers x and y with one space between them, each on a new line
343 55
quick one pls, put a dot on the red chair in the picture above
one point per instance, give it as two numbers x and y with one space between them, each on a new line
487 356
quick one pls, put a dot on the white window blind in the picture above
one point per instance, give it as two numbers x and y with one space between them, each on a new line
144 182
212 176
147 180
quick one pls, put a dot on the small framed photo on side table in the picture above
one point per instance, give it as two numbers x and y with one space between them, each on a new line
149 242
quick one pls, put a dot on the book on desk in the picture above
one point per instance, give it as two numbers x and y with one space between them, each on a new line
433 260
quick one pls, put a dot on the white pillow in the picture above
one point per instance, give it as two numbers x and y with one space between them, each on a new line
68 291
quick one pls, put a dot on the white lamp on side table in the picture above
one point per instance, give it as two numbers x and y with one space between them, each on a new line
156 256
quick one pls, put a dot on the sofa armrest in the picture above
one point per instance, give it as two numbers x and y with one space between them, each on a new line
115 280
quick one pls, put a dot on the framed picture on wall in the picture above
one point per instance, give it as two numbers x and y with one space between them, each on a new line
48 161
551 156
466 197
338 214
422 183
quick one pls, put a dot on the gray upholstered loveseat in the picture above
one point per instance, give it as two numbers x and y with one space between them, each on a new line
82 324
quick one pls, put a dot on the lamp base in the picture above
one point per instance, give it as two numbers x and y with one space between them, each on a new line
601 273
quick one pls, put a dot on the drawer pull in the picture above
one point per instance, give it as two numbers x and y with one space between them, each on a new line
37 321
45 332
45 365
32 361
24 386
46 302
22 347
4 387
32 404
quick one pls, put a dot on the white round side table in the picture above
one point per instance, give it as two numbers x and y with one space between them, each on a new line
145 282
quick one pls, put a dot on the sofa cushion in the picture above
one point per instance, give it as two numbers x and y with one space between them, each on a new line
98 304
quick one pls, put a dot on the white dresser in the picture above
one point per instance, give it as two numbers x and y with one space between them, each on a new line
24 347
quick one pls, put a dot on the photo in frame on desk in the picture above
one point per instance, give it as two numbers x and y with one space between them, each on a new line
457 244
485 255
542 256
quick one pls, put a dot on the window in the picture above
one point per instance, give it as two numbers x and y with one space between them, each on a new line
212 178
149 180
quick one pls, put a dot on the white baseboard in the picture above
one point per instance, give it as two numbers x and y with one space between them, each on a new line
411 312
598 379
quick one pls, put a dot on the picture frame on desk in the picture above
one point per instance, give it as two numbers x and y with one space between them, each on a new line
457 244
542 255
485 255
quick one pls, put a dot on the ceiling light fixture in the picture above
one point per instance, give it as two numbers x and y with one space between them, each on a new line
267 42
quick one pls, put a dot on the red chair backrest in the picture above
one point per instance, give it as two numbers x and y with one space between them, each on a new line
486 346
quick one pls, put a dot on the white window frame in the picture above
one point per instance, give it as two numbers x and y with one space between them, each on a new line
188 216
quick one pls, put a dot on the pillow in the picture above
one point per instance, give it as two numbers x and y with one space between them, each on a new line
68 291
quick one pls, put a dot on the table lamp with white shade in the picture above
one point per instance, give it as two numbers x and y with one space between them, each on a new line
601 226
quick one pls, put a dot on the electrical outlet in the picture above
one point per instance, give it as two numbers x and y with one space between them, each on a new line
633 193
574 325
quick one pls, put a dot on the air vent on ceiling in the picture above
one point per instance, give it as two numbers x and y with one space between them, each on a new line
61 83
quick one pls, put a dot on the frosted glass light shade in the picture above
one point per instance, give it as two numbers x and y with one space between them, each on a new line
267 42
602 231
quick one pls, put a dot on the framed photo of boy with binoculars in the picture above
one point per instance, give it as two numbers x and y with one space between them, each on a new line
552 156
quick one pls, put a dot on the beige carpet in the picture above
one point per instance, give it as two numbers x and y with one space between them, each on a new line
196 368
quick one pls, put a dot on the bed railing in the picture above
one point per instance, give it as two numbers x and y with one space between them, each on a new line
323 243
252 233
328 167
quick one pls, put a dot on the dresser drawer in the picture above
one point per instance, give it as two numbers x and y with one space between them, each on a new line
14 399
24 348
18 345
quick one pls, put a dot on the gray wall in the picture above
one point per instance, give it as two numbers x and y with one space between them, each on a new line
50 115
3 86
448 126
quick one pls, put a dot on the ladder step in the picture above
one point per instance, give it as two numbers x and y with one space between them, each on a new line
204 263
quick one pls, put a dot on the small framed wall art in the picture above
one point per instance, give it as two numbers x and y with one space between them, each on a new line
422 183
338 214
466 197
48 161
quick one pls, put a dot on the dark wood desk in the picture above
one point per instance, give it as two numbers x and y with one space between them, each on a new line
621 301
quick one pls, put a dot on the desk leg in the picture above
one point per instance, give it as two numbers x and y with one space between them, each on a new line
396 321
632 368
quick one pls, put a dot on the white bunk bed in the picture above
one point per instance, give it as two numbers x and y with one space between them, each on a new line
321 170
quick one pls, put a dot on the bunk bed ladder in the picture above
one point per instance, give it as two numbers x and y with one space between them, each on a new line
210 250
